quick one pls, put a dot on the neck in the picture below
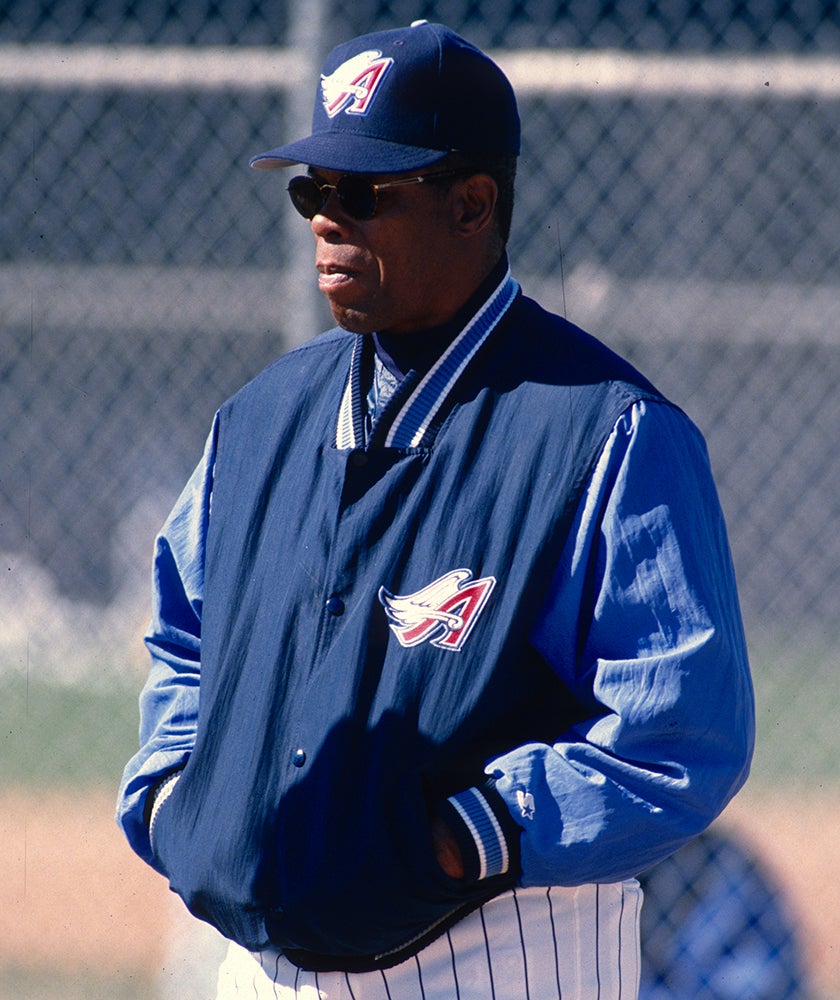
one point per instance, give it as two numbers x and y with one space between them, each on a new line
418 350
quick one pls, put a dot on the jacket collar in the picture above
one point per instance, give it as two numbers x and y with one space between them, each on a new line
416 408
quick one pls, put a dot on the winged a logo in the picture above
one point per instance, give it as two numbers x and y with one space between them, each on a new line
442 613
352 86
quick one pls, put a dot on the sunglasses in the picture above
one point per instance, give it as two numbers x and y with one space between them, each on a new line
357 196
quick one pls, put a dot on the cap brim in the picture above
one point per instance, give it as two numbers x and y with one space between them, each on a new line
356 154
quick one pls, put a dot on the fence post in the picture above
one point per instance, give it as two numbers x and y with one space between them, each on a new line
306 37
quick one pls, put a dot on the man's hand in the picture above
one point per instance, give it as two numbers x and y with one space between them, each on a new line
447 851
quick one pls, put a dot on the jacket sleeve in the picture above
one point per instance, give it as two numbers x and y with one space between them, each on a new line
169 699
642 622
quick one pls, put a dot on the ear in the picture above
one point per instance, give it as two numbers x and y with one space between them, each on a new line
473 203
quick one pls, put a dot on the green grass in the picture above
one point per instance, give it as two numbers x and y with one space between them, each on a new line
797 691
55 735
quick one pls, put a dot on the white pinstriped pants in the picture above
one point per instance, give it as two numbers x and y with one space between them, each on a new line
527 944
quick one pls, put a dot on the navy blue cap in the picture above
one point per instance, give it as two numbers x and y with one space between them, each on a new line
395 101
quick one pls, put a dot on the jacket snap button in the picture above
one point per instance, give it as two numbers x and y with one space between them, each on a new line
335 606
299 758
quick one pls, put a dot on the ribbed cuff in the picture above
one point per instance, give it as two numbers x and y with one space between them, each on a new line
159 795
486 834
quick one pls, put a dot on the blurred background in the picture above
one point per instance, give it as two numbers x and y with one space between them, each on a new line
677 197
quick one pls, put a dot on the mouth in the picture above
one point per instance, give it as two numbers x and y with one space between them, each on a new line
333 279
333 275
350 288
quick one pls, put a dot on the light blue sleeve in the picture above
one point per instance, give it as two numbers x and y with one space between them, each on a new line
642 623
169 699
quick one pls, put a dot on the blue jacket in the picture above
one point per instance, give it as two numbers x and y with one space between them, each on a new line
369 651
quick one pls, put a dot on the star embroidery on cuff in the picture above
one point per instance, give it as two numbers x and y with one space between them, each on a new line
525 801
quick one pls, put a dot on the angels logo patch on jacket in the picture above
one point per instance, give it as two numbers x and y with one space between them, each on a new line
442 613
352 86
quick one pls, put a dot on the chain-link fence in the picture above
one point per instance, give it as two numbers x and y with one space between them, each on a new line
677 197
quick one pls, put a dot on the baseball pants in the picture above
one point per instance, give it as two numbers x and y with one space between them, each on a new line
527 944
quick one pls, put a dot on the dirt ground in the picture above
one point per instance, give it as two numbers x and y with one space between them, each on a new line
73 897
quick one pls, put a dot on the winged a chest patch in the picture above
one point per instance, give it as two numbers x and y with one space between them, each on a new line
442 613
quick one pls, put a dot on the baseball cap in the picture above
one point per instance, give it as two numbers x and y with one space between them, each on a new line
398 100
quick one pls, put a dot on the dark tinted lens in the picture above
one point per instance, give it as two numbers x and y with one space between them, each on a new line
356 196
306 196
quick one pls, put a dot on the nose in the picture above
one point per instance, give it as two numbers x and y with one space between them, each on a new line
331 219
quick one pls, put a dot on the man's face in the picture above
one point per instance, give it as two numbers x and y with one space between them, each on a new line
394 272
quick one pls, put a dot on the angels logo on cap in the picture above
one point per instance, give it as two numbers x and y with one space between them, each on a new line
403 99
352 86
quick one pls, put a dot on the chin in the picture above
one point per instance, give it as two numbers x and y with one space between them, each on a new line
353 322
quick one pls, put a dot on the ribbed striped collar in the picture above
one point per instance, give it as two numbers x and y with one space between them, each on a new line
416 412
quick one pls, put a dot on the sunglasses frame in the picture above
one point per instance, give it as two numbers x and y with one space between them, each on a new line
374 189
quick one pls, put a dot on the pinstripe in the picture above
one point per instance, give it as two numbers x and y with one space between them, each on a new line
385 983
276 974
598 939
522 941
420 977
637 958
554 942
265 972
620 943
487 951
502 951
454 967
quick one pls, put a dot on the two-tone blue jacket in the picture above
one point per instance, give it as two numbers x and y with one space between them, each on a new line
511 604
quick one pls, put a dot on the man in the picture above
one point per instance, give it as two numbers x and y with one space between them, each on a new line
446 647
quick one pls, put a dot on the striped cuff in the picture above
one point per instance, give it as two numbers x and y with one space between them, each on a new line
160 794
487 836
